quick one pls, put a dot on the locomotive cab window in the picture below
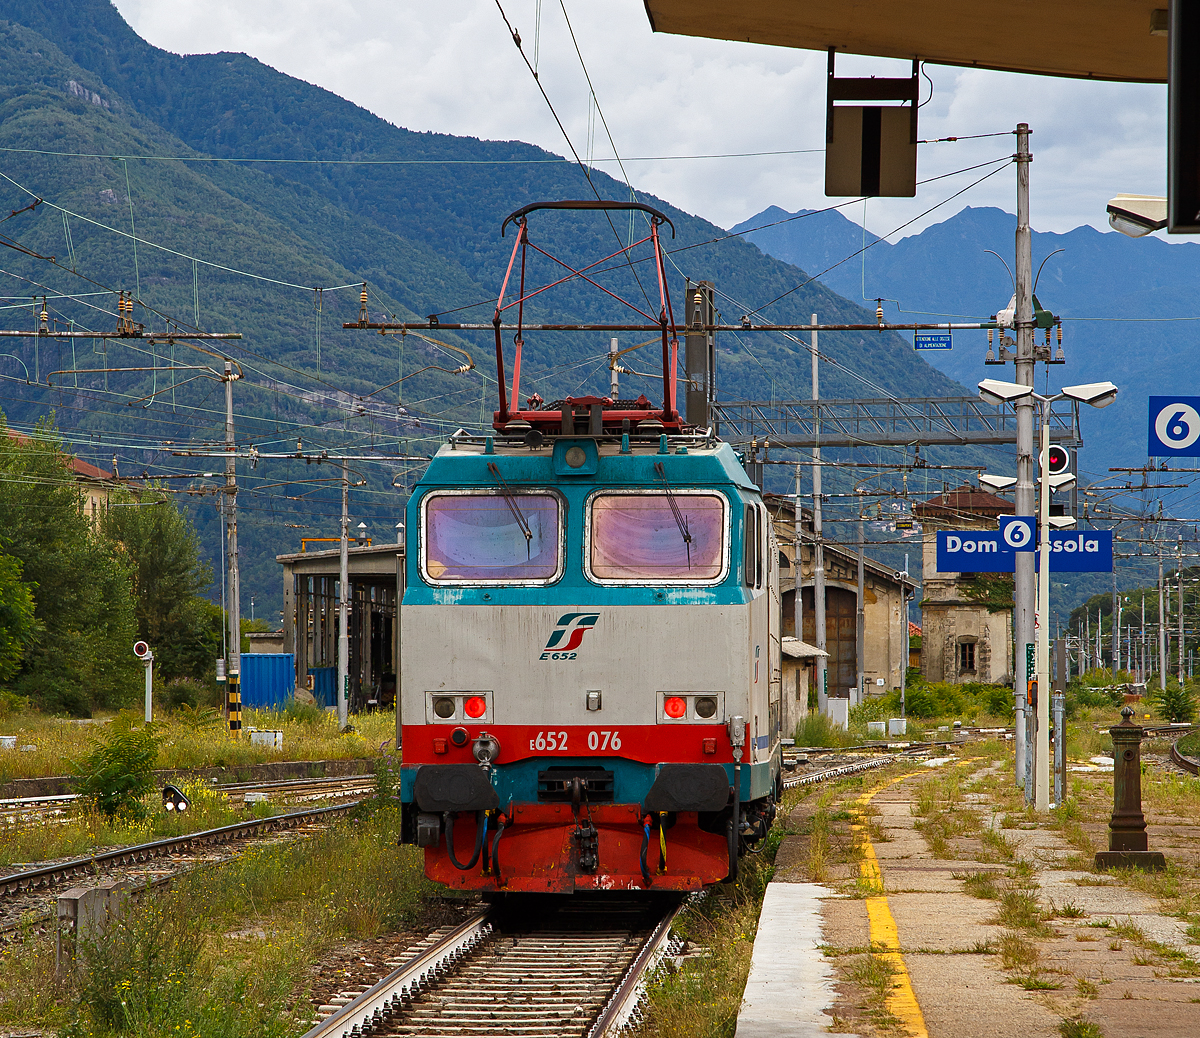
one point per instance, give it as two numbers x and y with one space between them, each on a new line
657 537
753 552
485 537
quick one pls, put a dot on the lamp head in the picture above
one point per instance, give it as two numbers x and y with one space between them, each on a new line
1098 394
1137 215
1062 481
1061 522
997 482
993 391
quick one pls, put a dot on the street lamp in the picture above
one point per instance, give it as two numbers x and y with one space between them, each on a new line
1098 394
1137 215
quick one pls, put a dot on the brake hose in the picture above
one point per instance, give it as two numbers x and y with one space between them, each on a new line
645 848
481 835
500 824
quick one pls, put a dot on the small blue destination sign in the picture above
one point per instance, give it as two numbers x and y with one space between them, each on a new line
932 340
1174 427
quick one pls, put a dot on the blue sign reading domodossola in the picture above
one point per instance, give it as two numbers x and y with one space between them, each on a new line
984 551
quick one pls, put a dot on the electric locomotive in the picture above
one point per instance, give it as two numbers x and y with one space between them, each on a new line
590 693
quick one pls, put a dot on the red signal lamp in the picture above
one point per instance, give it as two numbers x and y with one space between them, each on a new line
675 706
475 706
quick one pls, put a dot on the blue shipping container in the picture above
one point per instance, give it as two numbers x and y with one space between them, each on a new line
268 679
324 688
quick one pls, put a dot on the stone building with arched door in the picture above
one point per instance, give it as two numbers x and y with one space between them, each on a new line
966 618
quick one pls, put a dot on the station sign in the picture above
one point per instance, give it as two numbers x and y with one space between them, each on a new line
973 551
1174 427
985 551
932 340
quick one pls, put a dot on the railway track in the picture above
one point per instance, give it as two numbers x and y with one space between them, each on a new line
25 892
532 967
26 810
1188 764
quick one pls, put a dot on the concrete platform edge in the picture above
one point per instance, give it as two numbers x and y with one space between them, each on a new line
791 982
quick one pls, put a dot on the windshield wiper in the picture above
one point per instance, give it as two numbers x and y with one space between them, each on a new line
510 499
680 519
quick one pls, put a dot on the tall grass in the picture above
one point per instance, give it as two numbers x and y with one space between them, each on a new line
221 952
192 739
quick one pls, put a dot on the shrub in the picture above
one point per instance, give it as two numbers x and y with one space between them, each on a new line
304 713
1174 703
818 730
182 692
119 770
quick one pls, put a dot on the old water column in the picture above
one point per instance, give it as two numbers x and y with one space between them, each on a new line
1127 845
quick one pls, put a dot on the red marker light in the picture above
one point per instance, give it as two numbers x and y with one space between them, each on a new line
675 706
475 706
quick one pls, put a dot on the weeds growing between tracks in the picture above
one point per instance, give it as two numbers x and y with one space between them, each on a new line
221 952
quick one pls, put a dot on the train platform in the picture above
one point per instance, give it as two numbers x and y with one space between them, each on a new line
1006 935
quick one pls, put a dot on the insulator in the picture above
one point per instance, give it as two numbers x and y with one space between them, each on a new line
879 312
362 299
990 336
1047 336
1060 334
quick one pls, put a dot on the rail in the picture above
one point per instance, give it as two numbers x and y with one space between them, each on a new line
1192 767
49 875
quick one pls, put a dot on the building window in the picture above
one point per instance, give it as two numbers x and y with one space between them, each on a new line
966 656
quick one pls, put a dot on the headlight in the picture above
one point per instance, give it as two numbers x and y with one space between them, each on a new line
706 706
443 707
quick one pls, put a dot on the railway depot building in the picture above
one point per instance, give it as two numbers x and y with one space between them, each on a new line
310 620
884 607
966 618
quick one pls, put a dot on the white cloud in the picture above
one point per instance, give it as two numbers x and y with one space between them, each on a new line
451 67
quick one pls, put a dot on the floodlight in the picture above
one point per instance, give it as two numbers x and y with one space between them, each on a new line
1137 215
997 482
1060 522
1098 394
1062 481
993 391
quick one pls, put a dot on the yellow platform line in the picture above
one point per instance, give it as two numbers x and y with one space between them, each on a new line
901 1000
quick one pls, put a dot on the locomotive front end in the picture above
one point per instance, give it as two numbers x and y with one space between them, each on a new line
589 665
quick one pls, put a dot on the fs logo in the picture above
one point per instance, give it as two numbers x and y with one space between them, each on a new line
568 635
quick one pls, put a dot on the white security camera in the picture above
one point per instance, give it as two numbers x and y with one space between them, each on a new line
142 651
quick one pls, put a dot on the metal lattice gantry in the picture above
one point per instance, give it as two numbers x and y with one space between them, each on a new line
928 421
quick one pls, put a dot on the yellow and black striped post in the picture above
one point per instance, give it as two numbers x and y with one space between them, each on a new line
235 705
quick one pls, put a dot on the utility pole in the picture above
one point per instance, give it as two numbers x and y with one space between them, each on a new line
861 625
798 522
1162 624
1023 577
1116 627
818 543
234 687
907 642
343 677
1180 601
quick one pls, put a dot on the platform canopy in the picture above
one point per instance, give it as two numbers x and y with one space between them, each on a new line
1084 39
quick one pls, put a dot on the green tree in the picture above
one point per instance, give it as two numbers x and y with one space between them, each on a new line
162 551
79 656
17 621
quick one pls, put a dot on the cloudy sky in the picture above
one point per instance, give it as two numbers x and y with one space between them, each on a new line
451 67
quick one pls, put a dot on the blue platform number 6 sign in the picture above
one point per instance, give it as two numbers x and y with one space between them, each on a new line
1174 427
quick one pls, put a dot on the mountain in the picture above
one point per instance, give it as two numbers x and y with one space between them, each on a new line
223 193
1127 303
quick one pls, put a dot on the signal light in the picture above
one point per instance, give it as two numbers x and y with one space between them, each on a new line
706 706
1057 460
675 706
475 706
443 707
174 799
